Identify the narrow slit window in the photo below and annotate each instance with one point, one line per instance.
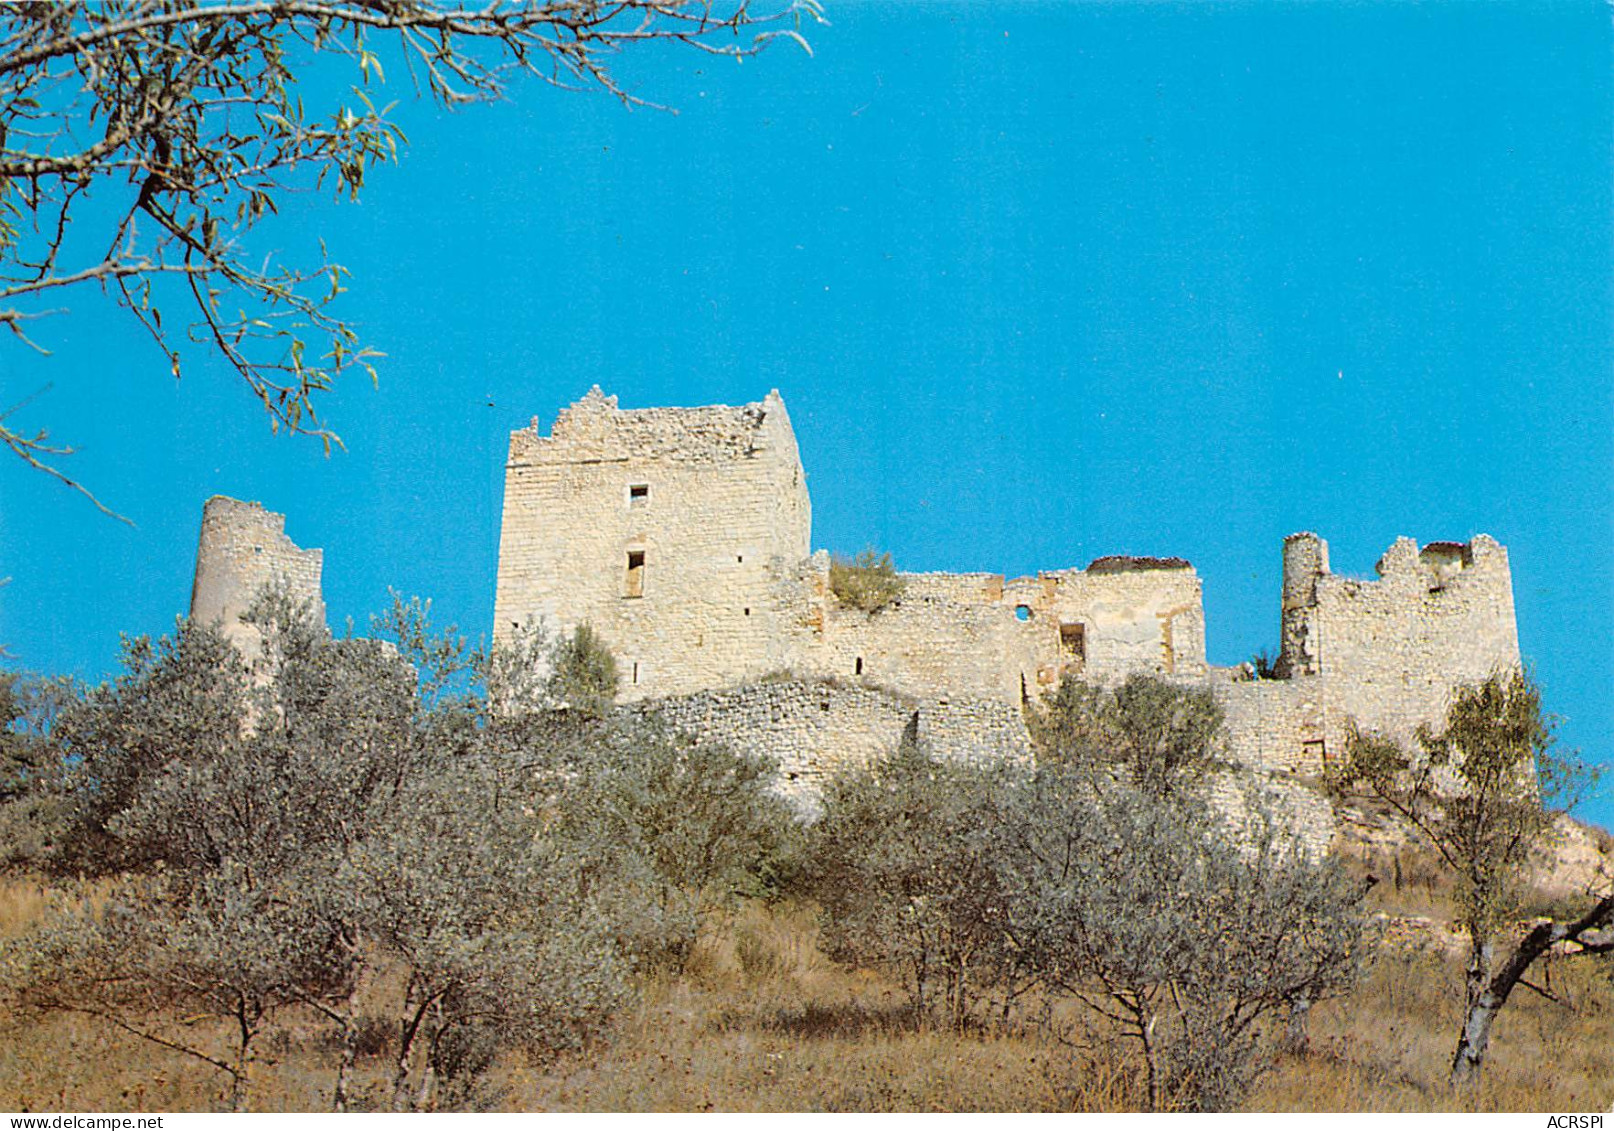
(636, 671)
(859, 670)
(635, 573)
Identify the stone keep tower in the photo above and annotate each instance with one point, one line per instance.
(243, 548)
(667, 530)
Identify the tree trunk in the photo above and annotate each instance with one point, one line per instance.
(344, 1070)
(428, 1073)
(1296, 1041)
(414, 1010)
(1479, 1008)
(240, 1078)
(1146, 1034)
(1492, 995)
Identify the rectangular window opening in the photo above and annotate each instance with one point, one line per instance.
(635, 573)
(638, 494)
(1314, 755)
(1073, 641)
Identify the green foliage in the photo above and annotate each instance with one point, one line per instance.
(868, 582)
(904, 864)
(34, 805)
(977, 883)
(1485, 792)
(1166, 735)
(680, 831)
(188, 127)
(347, 826)
(583, 673)
(1189, 941)
(1264, 664)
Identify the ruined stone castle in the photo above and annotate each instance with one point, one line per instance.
(683, 537)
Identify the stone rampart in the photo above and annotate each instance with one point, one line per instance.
(816, 729)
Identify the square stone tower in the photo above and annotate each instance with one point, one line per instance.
(668, 530)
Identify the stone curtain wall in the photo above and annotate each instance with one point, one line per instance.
(682, 535)
(1274, 725)
(713, 501)
(1249, 799)
(243, 548)
(1136, 619)
(817, 729)
(976, 634)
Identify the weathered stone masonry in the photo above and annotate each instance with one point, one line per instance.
(682, 536)
(243, 548)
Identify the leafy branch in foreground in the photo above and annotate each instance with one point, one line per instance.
(186, 124)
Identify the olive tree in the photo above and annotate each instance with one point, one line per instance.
(674, 831)
(33, 775)
(1165, 734)
(1485, 791)
(905, 864)
(457, 887)
(290, 834)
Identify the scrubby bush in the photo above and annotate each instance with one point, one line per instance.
(33, 776)
(352, 828)
(905, 864)
(868, 582)
(1192, 944)
(1485, 791)
(583, 673)
(679, 830)
(1090, 881)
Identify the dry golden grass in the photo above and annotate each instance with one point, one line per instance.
(762, 1021)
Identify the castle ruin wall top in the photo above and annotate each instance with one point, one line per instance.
(594, 428)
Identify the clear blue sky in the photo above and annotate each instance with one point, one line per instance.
(1038, 283)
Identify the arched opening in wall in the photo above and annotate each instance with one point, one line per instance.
(1022, 612)
(859, 669)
